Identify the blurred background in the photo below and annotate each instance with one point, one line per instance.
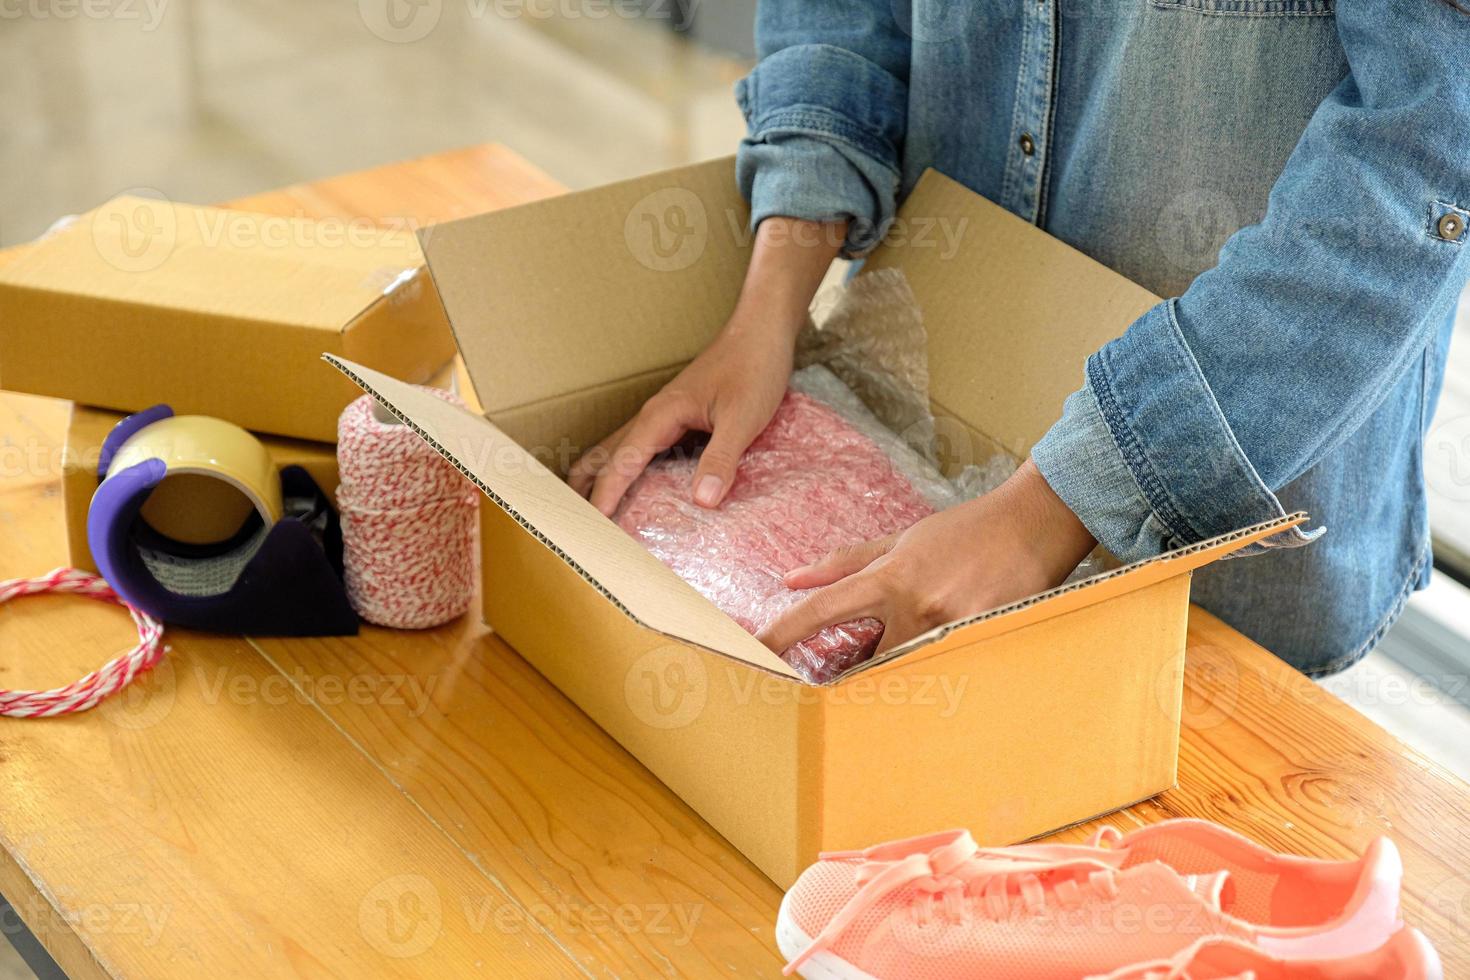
(204, 100)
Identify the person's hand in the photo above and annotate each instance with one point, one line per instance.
(1016, 541)
(731, 390)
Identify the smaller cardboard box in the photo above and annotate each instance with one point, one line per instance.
(569, 313)
(216, 312)
(85, 432)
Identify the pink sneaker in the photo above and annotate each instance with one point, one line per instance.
(940, 906)
(1406, 956)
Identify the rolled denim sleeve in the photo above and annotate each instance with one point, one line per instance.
(825, 111)
(1209, 403)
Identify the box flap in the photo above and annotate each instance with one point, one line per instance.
(620, 568)
(531, 285)
(267, 268)
(1007, 310)
(1067, 598)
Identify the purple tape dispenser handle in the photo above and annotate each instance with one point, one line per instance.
(125, 430)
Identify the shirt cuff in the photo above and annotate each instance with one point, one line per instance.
(824, 129)
(1145, 459)
(811, 179)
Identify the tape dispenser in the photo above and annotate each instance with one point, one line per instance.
(193, 523)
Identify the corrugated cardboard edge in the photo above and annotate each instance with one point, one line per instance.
(347, 369)
(1005, 618)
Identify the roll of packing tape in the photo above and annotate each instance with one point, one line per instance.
(215, 474)
(193, 523)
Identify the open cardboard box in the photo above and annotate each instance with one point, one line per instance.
(570, 312)
(216, 312)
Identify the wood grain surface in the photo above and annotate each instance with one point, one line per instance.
(425, 804)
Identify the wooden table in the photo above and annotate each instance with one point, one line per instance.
(425, 804)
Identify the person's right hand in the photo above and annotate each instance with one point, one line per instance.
(732, 389)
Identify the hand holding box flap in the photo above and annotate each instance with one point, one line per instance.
(538, 499)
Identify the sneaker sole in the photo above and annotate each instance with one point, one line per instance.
(823, 965)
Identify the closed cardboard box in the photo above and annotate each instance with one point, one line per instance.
(1057, 708)
(216, 312)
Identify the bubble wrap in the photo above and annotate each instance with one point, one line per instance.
(848, 457)
(866, 355)
(810, 483)
(824, 386)
(870, 334)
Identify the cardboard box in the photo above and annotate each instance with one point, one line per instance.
(216, 312)
(88, 427)
(1049, 711)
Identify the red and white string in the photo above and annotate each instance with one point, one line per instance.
(408, 522)
(107, 679)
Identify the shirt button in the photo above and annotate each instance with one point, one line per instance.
(1028, 147)
(1450, 226)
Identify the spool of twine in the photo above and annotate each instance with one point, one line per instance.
(409, 521)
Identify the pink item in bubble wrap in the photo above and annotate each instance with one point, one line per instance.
(808, 484)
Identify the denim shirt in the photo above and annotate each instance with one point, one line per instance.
(1294, 174)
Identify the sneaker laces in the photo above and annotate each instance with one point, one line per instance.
(960, 868)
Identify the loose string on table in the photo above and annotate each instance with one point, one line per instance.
(106, 680)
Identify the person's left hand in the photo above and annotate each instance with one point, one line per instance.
(1018, 540)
